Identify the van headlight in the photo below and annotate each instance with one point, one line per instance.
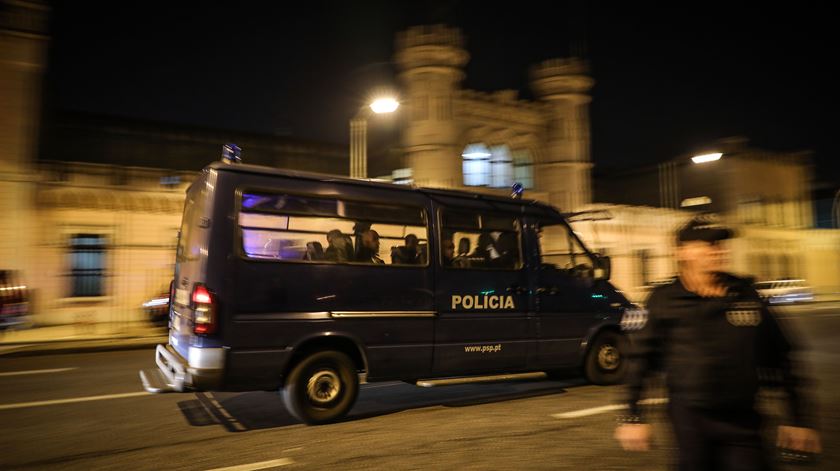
(634, 319)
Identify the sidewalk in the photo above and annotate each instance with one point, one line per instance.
(79, 338)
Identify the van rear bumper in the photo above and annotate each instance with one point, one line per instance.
(175, 373)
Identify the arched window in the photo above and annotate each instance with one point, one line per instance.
(476, 165)
(495, 167)
(523, 168)
(501, 167)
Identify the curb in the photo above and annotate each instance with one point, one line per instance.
(55, 347)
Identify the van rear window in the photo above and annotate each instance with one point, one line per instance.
(294, 228)
(190, 238)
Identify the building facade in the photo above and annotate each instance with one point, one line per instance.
(91, 218)
(91, 205)
(459, 138)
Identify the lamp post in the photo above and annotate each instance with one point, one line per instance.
(835, 211)
(358, 133)
(669, 179)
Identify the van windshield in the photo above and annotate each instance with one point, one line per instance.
(559, 247)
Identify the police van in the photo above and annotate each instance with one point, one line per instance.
(306, 283)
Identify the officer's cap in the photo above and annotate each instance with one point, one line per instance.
(704, 228)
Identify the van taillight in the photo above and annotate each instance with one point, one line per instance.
(204, 310)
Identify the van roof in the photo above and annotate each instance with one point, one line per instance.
(531, 206)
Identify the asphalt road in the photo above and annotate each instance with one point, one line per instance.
(88, 411)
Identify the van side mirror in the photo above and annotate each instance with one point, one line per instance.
(603, 267)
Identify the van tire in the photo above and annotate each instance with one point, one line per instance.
(606, 359)
(321, 388)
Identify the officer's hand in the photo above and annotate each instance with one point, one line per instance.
(799, 439)
(634, 437)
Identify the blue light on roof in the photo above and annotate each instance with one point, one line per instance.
(231, 153)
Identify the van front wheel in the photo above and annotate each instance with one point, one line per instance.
(321, 388)
(606, 359)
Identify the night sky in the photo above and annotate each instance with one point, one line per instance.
(668, 81)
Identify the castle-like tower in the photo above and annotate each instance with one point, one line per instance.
(546, 141)
(431, 61)
(563, 84)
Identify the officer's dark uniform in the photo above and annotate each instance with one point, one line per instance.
(714, 352)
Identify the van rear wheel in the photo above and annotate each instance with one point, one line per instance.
(321, 388)
(606, 360)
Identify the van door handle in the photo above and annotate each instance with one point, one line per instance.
(516, 289)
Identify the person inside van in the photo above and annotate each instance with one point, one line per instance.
(407, 254)
(506, 244)
(369, 251)
(448, 251)
(462, 259)
(486, 250)
(340, 247)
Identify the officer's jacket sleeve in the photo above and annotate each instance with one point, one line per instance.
(776, 362)
(645, 353)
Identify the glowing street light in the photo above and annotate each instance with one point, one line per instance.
(358, 133)
(701, 159)
(384, 105)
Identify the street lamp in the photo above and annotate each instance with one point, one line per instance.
(835, 211)
(668, 178)
(702, 159)
(358, 133)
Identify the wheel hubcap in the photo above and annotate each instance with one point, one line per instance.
(608, 357)
(323, 386)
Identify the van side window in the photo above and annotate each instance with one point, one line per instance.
(328, 230)
(562, 250)
(475, 240)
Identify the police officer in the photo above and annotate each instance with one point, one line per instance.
(713, 336)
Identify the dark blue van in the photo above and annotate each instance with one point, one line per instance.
(304, 282)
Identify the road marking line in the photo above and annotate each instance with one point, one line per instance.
(36, 372)
(600, 410)
(806, 316)
(22, 405)
(374, 386)
(238, 426)
(254, 466)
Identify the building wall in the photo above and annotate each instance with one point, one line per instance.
(133, 198)
(23, 45)
(639, 241)
(139, 221)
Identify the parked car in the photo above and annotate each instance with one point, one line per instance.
(785, 291)
(14, 300)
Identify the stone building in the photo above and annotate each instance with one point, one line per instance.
(90, 217)
(458, 138)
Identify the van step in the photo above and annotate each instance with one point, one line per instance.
(154, 381)
(430, 383)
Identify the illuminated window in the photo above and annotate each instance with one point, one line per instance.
(501, 167)
(523, 168)
(494, 167)
(476, 165)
